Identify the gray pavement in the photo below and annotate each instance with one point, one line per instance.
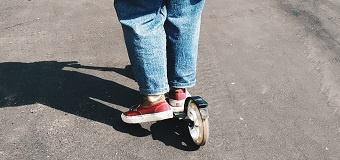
(268, 68)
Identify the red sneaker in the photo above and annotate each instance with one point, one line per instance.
(148, 112)
(177, 99)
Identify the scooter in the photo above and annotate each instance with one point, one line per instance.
(196, 115)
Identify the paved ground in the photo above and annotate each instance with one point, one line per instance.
(268, 68)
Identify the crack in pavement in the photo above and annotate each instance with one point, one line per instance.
(20, 24)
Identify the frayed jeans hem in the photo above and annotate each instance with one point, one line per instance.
(182, 85)
(159, 91)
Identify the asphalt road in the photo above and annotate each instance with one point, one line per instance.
(268, 68)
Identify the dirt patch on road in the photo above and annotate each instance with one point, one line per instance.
(322, 37)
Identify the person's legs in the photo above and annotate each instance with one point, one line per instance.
(143, 27)
(182, 27)
(150, 50)
(142, 23)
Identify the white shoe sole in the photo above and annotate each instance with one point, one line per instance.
(177, 105)
(148, 117)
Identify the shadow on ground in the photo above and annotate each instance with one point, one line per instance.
(77, 93)
(69, 91)
(173, 132)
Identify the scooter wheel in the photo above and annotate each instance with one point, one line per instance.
(199, 130)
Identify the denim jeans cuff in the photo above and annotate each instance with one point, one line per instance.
(158, 91)
(182, 85)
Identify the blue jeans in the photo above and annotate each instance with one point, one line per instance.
(161, 38)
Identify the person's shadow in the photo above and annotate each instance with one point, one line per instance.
(80, 94)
